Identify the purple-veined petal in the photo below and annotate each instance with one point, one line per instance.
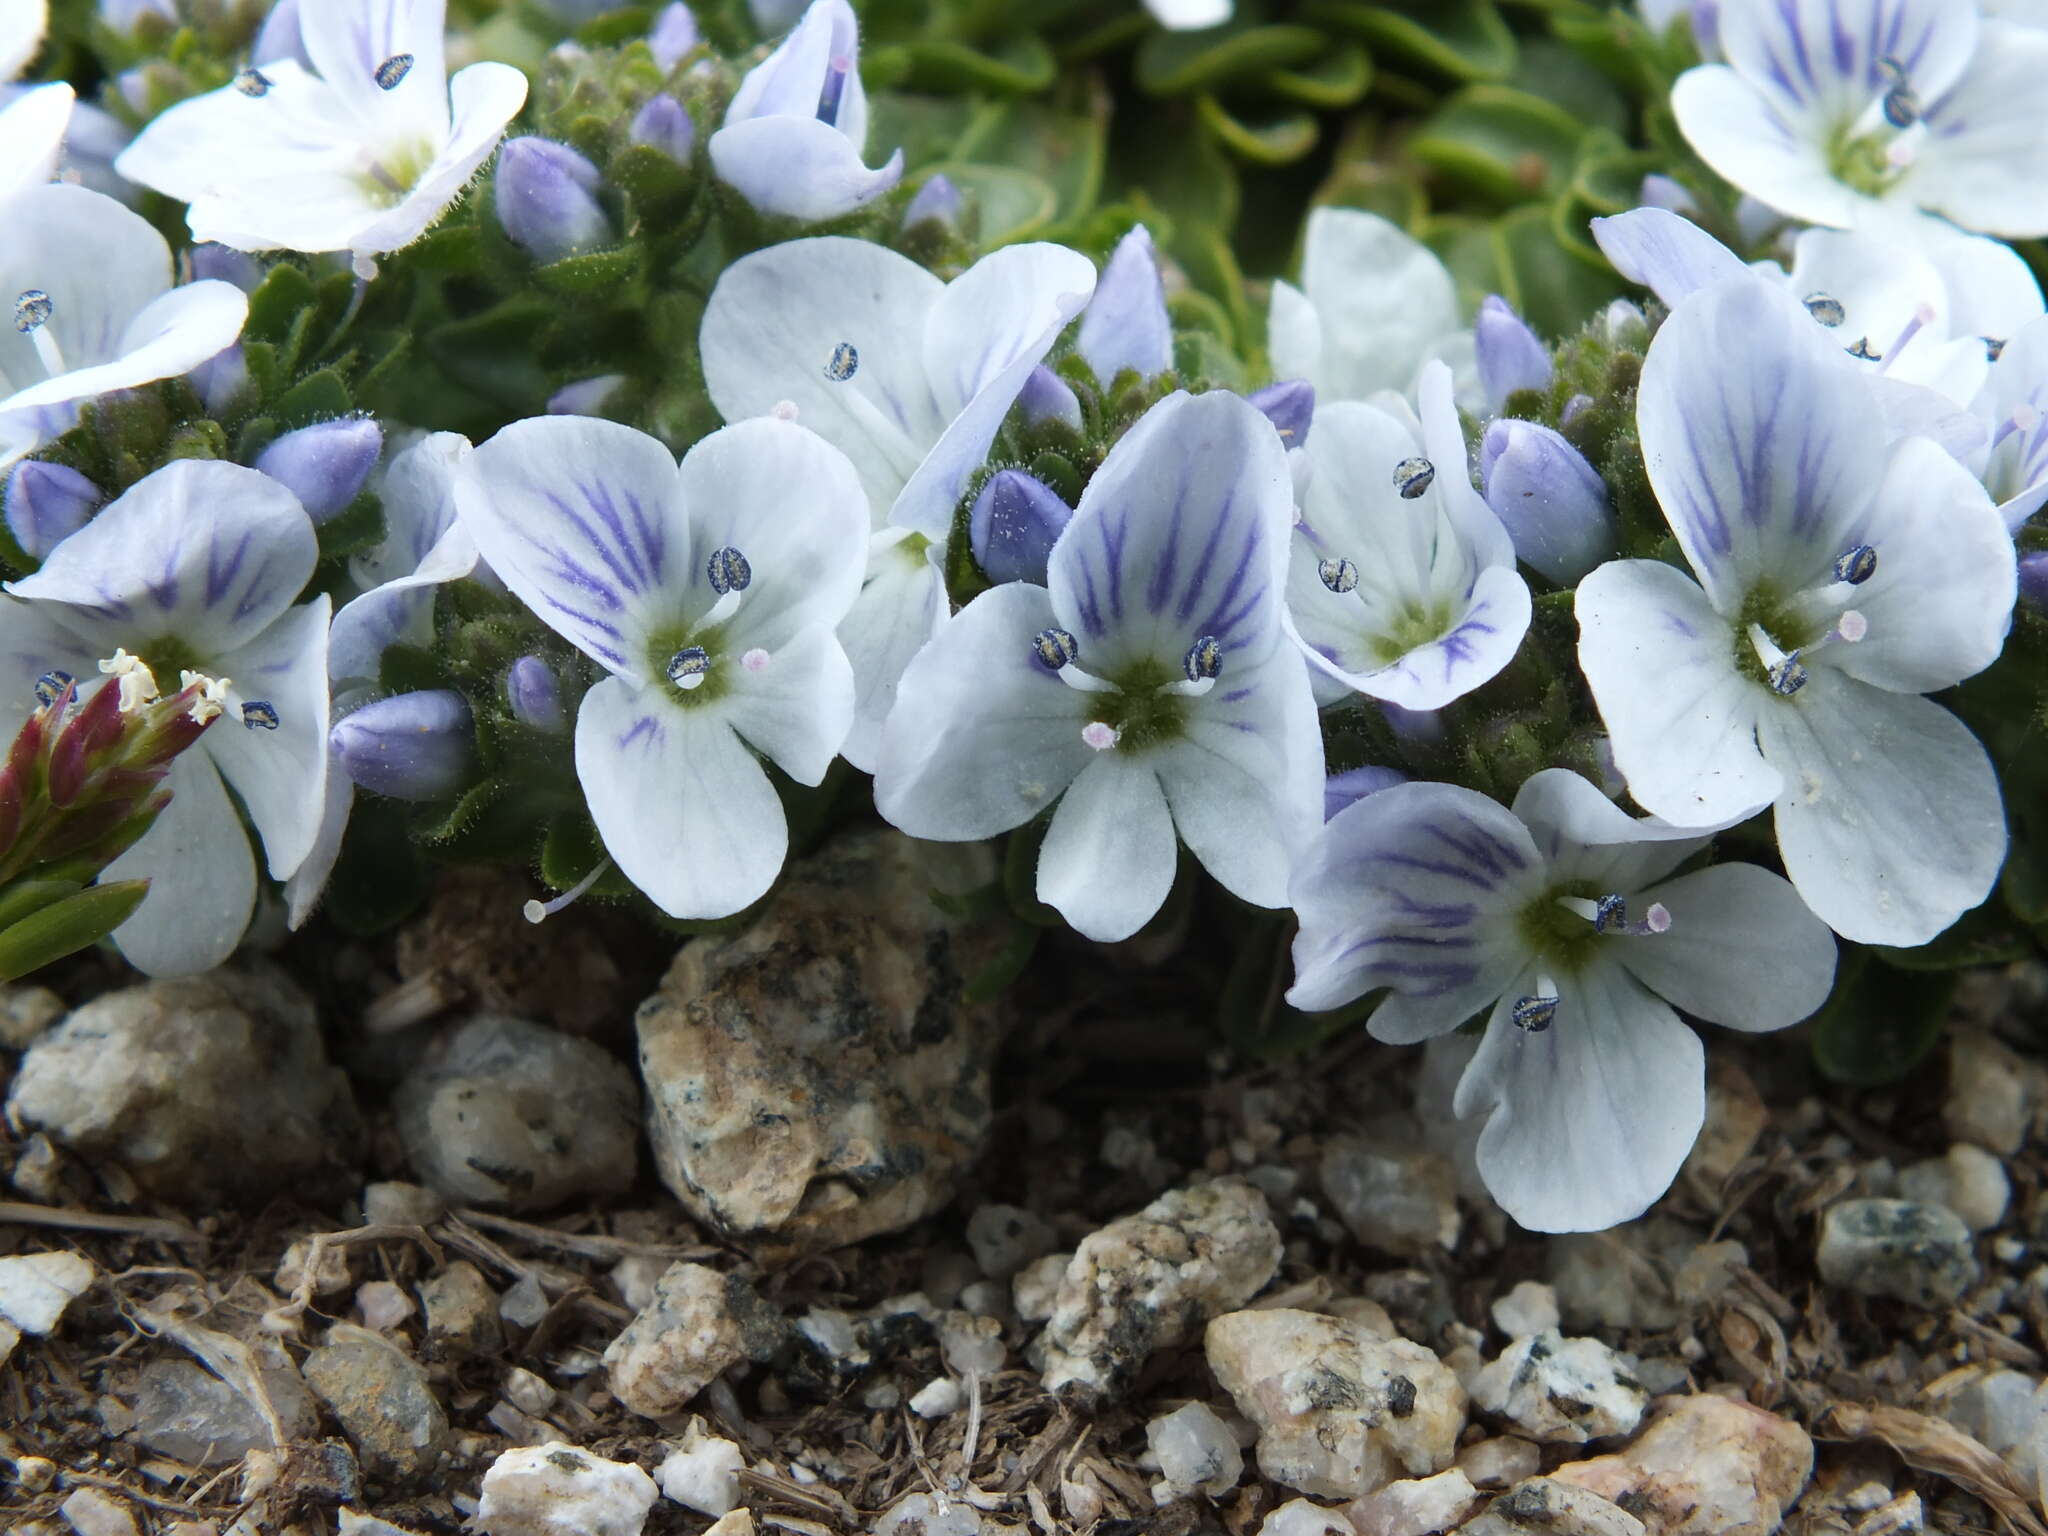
(1592, 1117)
(799, 168)
(281, 774)
(797, 707)
(207, 552)
(32, 642)
(1125, 324)
(1681, 718)
(202, 877)
(788, 82)
(1294, 334)
(1981, 163)
(1414, 888)
(583, 520)
(1665, 252)
(1891, 824)
(1108, 860)
(685, 810)
(349, 44)
(424, 547)
(1180, 535)
(1742, 949)
(982, 736)
(1586, 837)
(1763, 144)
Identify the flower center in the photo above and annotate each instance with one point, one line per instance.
(1141, 706)
(386, 179)
(1776, 635)
(1871, 151)
(1563, 928)
(689, 655)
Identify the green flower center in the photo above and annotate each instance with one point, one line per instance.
(1141, 709)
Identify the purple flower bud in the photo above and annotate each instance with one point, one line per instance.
(1290, 405)
(1659, 191)
(46, 503)
(325, 465)
(1125, 324)
(411, 746)
(220, 379)
(1045, 395)
(1013, 524)
(535, 694)
(673, 35)
(664, 124)
(226, 265)
(1511, 356)
(2034, 578)
(937, 199)
(1553, 502)
(1354, 784)
(586, 397)
(546, 197)
(1572, 408)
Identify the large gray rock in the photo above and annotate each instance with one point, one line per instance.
(1918, 1254)
(383, 1401)
(512, 1114)
(205, 1088)
(817, 1077)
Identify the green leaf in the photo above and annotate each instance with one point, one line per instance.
(66, 926)
(1063, 140)
(1338, 79)
(1500, 144)
(1555, 289)
(320, 396)
(1277, 142)
(1881, 1021)
(493, 353)
(23, 897)
(592, 274)
(1174, 63)
(276, 304)
(1021, 66)
(1464, 39)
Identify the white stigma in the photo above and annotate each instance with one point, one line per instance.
(755, 660)
(785, 410)
(1851, 626)
(136, 681)
(1100, 735)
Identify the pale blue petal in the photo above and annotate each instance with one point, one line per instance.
(1665, 252)
(799, 168)
(281, 774)
(1109, 857)
(1742, 950)
(202, 877)
(1125, 325)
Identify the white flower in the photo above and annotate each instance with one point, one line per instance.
(709, 594)
(1149, 689)
(361, 148)
(910, 377)
(1839, 111)
(32, 126)
(195, 569)
(793, 136)
(22, 25)
(1190, 15)
(1841, 576)
(1402, 582)
(1374, 305)
(2013, 407)
(89, 295)
(1567, 923)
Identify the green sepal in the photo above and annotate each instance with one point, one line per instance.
(66, 926)
(21, 898)
(320, 396)
(593, 274)
(1020, 875)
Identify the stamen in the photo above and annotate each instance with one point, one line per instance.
(1100, 735)
(1863, 350)
(1056, 648)
(844, 362)
(1413, 476)
(1781, 670)
(540, 912)
(259, 715)
(137, 682)
(1340, 576)
(687, 667)
(213, 695)
(253, 82)
(52, 686)
(1204, 660)
(728, 571)
(1826, 308)
(1536, 1014)
(834, 90)
(1994, 347)
(392, 72)
(1610, 912)
(1856, 565)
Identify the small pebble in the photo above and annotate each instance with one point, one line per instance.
(1037, 1285)
(1195, 1450)
(36, 1288)
(1530, 1308)
(702, 1473)
(1500, 1462)
(937, 1398)
(1304, 1517)
(1414, 1506)
(556, 1489)
(1561, 1391)
(95, 1512)
(920, 1514)
(394, 1203)
(527, 1392)
(1005, 1238)
(382, 1305)
(1969, 1181)
(1918, 1254)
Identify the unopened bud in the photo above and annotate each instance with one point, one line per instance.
(325, 465)
(586, 397)
(1552, 501)
(535, 694)
(2034, 578)
(938, 199)
(1354, 784)
(546, 197)
(1511, 356)
(1125, 326)
(1013, 524)
(46, 503)
(672, 36)
(224, 264)
(1045, 396)
(1290, 405)
(411, 746)
(664, 124)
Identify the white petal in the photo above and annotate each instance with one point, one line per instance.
(1586, 837)
(1294, 337)
(32, 135)
(797, 708)
(1763, 451)
(281, 775)
(1742, 949)
(1189, 15)
(684, 808)
(1682, 720)
(32, 642)
(991, 327)
(100, 264)
(308, 883)
(799, 168)
(982, 737)
(791, 503)
(22, 26)
(486, 97)
(1823, 52)
(1890, 824)
(1762, 145)
(900, 607)
(1981, 163)
(424, 546)
(1481, 638)
(1991, 289)
(1415, 888)
(1383, 298)
(169, 337)
(1109, 857)
(1941, 601)
(1593, 1116)
(208, 552)
(202, 878)
(1665, 252)
(1181, 533)
(775, 324)
(349, 41)
(583, 520)
(1246, 785)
